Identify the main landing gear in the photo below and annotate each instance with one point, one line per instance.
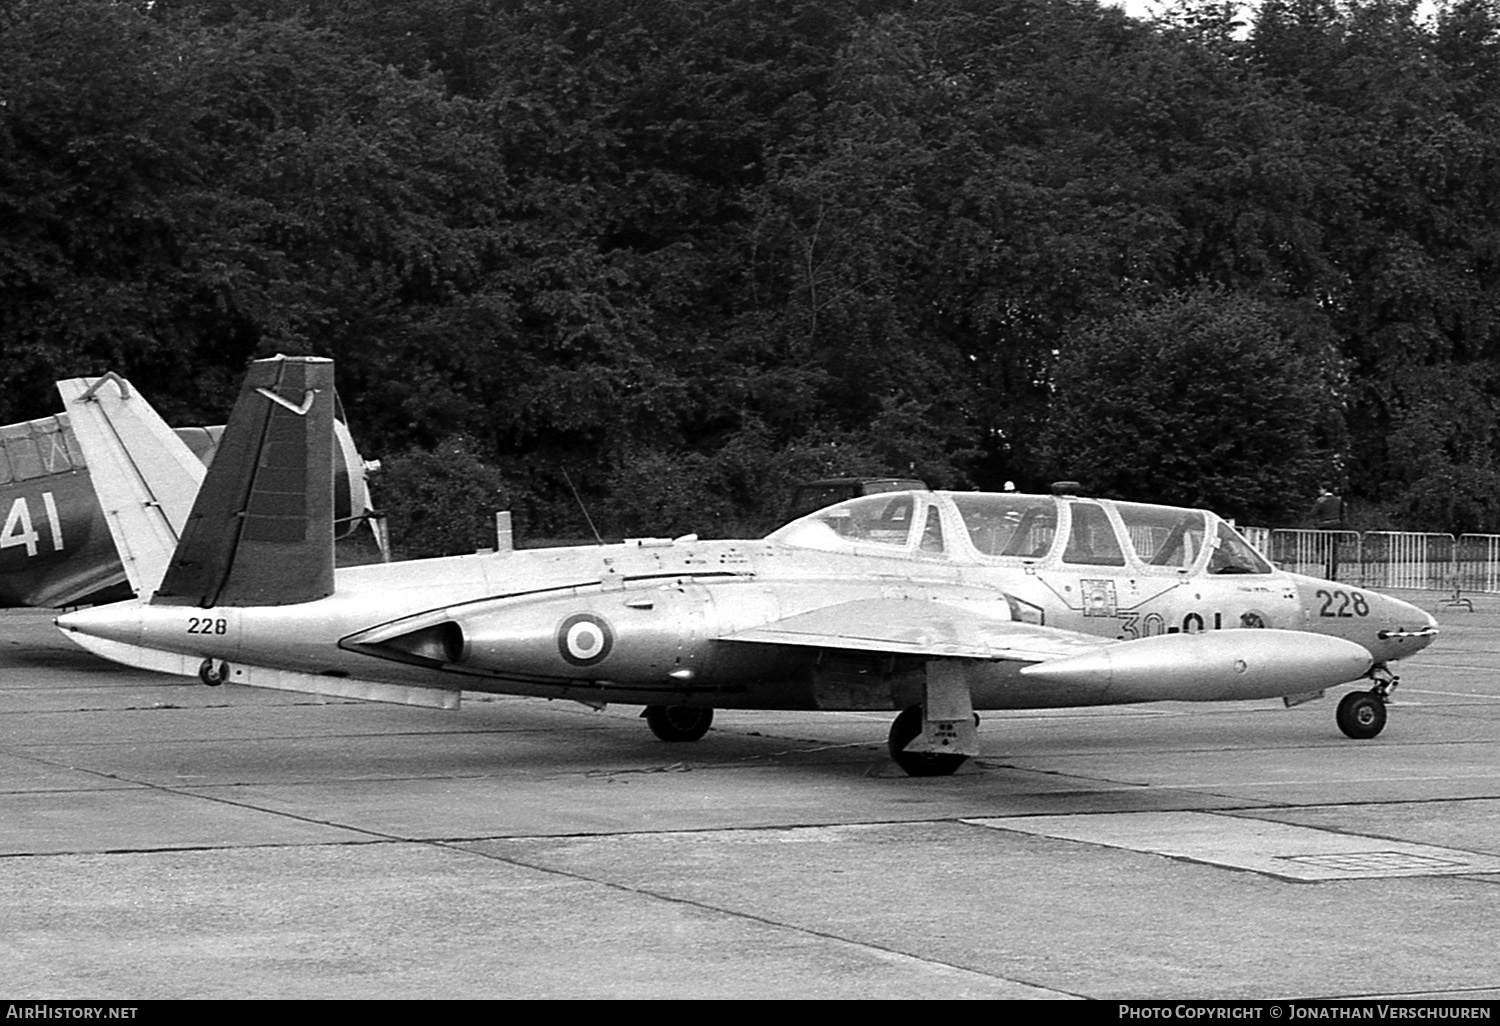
(678, 723)
(906, 728)
(1361, 714)
(213, 673)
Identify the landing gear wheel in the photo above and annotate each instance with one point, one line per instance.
(1361, 714)
(213, 674)
(906, 729)
(678, 723)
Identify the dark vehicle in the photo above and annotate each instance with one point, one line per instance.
(817, 494)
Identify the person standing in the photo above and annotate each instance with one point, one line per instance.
(1328, 515)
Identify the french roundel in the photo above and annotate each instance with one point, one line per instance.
(583, 639)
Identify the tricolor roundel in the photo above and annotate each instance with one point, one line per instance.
(583, 639)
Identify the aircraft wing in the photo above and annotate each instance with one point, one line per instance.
(921, 628)
(1204, 666)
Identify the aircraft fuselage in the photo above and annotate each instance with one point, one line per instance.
(54, 545)
(654, 622)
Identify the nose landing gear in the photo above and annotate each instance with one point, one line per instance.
(1361, 714)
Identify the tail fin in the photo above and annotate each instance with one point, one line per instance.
(261, 531)
(144, 475)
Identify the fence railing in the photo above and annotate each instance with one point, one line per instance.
(1386, 559)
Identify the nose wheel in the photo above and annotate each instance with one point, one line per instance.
(1361, 714)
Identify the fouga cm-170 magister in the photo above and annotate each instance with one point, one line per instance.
(930, 604)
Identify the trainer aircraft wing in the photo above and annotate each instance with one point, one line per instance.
(920, 628)
(1200, 667)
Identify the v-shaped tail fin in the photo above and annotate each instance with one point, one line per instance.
(144, 475)
(261, 531)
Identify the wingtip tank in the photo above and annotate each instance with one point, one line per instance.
(1212, 666)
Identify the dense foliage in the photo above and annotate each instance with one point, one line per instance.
(679, 255)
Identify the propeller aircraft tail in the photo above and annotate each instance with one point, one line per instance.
(144, 475)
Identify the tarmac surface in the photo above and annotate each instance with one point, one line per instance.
(160, 839)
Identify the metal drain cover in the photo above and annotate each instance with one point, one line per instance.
(1380, 862)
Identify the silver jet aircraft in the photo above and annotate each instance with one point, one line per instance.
(930, 604)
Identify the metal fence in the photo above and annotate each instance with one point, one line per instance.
(1386, 559)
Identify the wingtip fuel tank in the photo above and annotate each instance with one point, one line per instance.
(1212, 666)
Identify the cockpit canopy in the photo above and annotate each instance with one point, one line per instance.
(1010, 528)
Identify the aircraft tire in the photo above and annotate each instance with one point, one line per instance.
(213, 674)
(1361, 714)
(904, 730)
(678, 723)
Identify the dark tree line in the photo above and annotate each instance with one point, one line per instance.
(679, 255)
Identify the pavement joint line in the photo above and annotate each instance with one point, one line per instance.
(762, 920)
(1434, 691)
(1331, 743)
(1110, 785)
(1292, 807)
(1404, 777)
(456, 842)
(183, 792)
(202, 848)
(1357, 863)
(1413, 995)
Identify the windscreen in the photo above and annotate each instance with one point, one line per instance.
(1163, 536)
(1234, 555)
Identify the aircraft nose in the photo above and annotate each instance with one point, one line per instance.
(1390, 628)
(1406, 629)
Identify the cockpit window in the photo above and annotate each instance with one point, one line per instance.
(34, 449)
(871, 519)
(1163, 536)
(1091, 538)
(1233, 555)
(1008, 525)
